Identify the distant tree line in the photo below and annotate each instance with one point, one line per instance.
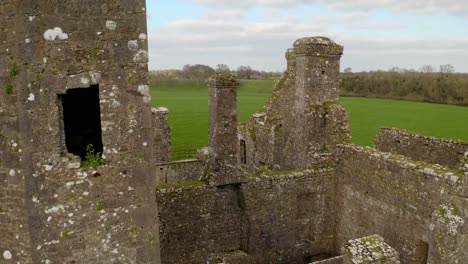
(202, 72)
(425, 85)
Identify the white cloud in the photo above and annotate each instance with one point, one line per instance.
(224, 35)
(436, 7)
(224, 14)
(353, 16)
(216, 41)
(262, 45)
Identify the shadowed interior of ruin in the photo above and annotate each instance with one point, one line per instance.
(82, 120)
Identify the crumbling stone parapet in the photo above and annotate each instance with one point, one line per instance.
(317, 47)
(367, 250)
(446, 152)
(223, 142)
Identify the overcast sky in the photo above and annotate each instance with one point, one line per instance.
(376, 34)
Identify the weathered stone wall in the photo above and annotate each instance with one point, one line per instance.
(196, 221)
(407, 202)
(450, 153)
(291, 215)
(14, 228)
(179, 172)
(102, 215)
(276, 218)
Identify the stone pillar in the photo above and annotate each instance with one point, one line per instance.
(223, 141)
(162, 136)
(317, 61)
(367, 250)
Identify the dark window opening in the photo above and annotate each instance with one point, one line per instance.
(323, 72)
(82, 120)
(243, 151)
(422, 252)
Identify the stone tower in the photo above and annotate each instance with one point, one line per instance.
(74, 74)
(303, 120)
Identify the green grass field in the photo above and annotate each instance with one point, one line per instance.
(188, 117)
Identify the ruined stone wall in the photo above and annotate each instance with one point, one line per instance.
(303, 120)
(409, 203)
(107, 214)
(450, 153)
(179, 172)
(275, 217)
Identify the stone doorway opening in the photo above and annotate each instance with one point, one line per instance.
(82, 120)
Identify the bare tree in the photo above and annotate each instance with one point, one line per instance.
(427, 69)
(222, 69)
(447, 68)
(244, 72)
(397, 69)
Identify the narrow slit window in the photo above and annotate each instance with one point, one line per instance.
(243, 151)
(82, 120)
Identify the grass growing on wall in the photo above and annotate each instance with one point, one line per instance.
(188, 114)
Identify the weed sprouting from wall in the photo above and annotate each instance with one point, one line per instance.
(93, 159)
(13, 71)
(8, 89)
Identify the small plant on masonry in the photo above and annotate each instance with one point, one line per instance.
(100, 206)
(13, 71)
(8, 89)
(92, 159)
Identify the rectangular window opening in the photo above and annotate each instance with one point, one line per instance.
(82, 120)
